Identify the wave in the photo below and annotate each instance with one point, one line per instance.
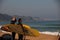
(50, 33)
(45, 32)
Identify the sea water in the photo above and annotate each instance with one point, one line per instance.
(47, 27)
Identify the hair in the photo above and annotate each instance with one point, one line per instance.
(13, 20)
(19, 20)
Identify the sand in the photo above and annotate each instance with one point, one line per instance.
(40, 37)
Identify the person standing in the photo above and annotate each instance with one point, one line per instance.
(13, 21)
(20, 23)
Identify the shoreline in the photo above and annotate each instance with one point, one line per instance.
(42, 36)
(50, 33)
(44, 32)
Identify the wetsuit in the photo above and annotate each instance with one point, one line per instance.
(13, 33)
(20, 35)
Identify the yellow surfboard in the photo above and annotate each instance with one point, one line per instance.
(18, 29)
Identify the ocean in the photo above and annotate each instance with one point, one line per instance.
(42, 26)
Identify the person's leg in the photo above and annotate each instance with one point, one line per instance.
(20, 37)
(13, 35)
(59, 38)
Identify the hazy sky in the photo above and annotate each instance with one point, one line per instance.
(38, 8)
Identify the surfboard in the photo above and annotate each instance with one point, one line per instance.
(18, 29)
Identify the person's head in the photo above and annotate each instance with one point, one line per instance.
(13, 18)
(19, 20)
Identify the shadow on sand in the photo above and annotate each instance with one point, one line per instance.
(6, 37)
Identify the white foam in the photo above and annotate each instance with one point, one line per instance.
(0, 26)
(50, 33)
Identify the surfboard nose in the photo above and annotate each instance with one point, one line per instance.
(5, 28)
(0, 26)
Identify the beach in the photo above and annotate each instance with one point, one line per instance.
(40, 37)
(46, 30)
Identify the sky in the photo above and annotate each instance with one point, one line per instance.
(35, 8)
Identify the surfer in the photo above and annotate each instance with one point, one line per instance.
(13, 21)
(20, 23)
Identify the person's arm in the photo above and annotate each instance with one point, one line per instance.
(22, 27)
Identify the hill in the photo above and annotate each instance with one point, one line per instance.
(4, 17)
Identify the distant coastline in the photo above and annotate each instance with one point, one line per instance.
(6, 17)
